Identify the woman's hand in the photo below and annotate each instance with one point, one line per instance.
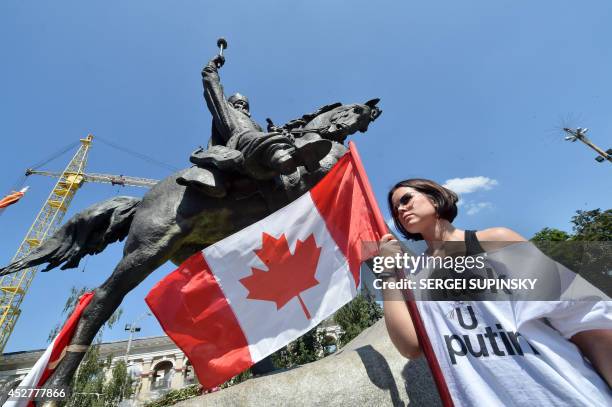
(397, 318)
(389, 246)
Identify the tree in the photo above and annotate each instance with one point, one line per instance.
(587, 251)
(359, 314)
(593, 225)
(305, 349)
(550, 235)
(89, 385)
(119, 386)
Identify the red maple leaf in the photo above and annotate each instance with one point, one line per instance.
(288, 274)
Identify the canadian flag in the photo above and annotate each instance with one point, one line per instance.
(252, 293)
(12, 198)
(46, 364)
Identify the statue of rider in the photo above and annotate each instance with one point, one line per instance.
(238, 143)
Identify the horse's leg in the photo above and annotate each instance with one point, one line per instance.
(134, 267)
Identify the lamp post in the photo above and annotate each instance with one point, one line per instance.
(133, 328)
(579, 134)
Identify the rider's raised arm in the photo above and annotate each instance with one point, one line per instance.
(215, 99)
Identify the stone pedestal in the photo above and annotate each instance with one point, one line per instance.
(366, 372)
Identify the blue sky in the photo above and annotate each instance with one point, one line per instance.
(475, 90)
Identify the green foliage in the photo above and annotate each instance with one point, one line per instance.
(587, 250)
(119, 386)
(359, 314)
(174, 396)
(305, 349)
(557, 244)
(550, 235)
(89, 385)
(69, 307)
(593, 225)
(239, 378)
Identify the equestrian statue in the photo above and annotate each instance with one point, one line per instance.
(243, 175)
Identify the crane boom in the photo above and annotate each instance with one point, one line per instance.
(100, 178)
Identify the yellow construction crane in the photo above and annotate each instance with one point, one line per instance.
(13, 287)
(100, 178)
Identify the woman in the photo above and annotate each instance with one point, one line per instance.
(498, 352)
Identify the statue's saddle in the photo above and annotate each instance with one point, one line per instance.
(211, 170)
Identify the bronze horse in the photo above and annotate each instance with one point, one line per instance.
(172, 222)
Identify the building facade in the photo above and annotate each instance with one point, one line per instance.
(155, 364)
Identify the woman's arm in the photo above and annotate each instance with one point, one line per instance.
(497, 238)
(399, 323)
(499, 234)
(397, 317)
(596, 345)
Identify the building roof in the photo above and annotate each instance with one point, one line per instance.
(117, 348)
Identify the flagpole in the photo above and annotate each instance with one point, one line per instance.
(419, 326)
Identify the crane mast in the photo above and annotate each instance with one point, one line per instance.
(13, 287)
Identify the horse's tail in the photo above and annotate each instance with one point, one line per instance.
(88, 232)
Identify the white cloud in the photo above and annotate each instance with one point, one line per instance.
(474, 207)
(470, 184)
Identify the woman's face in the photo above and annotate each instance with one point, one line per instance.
(413, 209)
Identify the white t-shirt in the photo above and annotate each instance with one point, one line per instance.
(516, 352)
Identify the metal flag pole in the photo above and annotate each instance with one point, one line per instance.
(419, 326)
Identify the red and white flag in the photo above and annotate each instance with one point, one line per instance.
(49, 360)
(252, 293)
(12, 198)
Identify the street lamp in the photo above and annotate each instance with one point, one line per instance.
(579, 134)
(133, 328)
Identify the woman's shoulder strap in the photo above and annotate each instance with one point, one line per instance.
(472, 245)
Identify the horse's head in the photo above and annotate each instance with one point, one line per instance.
(345, 120)
(334, 122)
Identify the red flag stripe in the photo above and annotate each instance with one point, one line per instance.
(48, 361)
(193, 311)
(342, 203)
(64, 337)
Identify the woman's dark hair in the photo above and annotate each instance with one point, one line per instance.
(444, 200)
